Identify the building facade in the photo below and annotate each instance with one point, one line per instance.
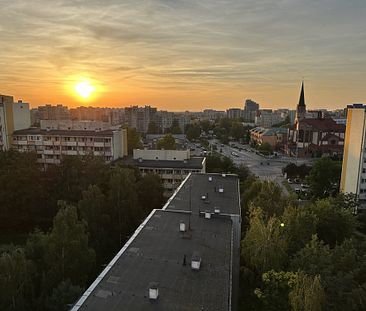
(353, 179)
(52, 145)
(276, 137)
(13, 116)
(314, 137)
(173, 166)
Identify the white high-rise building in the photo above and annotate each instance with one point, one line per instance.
(353, 178)
(13, 117)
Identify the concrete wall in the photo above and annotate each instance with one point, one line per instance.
(145, 154)
(21, 116)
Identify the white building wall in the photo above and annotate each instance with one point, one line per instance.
(353, 151)
(21, 116)
(145, 154)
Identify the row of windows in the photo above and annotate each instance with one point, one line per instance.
(68, 139)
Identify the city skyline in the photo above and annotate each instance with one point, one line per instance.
(181, 56)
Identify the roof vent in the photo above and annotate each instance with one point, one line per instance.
(217, 210)
(223, 175)
(207, 215)
(140, 160)
(182, 226)
(210, 178)
(221, 190)
(203, 197)
(153, 291)
(196, 261)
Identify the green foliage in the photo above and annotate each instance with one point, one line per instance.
(299, 226)
(16, 274)
(167, 143)
(294, 171)
(133, 140)
(307, 293)
(54, 266)
(219, 164)
(334, 224)
(265, 148)
(193, 132)
(62, 295)
(175, 128)
(300, 257)
(153, 128)
(68, 240)
(264, 246)
(261, 194)
(324, 177)
(150, 192)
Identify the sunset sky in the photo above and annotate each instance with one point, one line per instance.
(184, 54)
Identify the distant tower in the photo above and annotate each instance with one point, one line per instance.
(301, 107)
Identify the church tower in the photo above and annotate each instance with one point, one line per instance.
(301, 107)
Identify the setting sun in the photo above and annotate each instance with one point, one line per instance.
(84, 89)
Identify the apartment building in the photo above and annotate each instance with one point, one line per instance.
(13, 116)
(185, 256)
(173, 166)
(276, 136)
(51, 145)
(353, 178)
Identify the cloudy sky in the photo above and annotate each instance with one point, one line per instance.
(185, 54)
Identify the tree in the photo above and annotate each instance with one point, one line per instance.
(123, 203)
(150, 192)
(193, 132)
(153, 128)
(64, 295)
(167, 143)
(334, 224)
(219, 164)
(133, 140)
(265, 148)
(237, 131)
(67, 241)
(93, 210)
(299, 226)
(307, 293)
(175, 128)
(261, 194)
(264, 246)
(15, 280)
(324, 177)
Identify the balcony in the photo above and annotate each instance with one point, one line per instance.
(48, 152)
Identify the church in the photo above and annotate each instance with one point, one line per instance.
(314, 136)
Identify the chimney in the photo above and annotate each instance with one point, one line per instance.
(207, 215)
(223, 175)
(217, 210)
(203, 197)
(221, 190)
(153, 291)
(196, 261)
(210, 178)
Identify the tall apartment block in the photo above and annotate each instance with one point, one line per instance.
(13, 117)
(353, 178)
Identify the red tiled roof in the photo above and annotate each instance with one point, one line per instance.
(326, 124)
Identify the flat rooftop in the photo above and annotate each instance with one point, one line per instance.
(81, 133)
(192, 163)
(156, 252)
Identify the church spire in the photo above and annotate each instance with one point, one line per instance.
(302, 96)
(301, 107)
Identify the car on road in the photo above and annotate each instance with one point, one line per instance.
(234, 154)
(289, 180)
